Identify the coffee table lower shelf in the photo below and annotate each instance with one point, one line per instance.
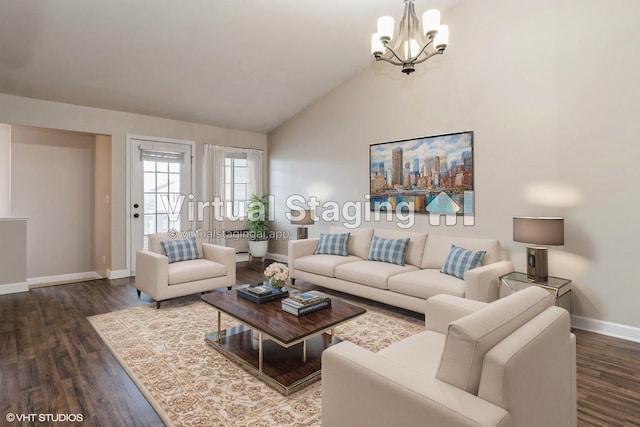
(283, 368)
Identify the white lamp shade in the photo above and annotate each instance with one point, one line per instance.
(385, 27)
(377, 48)
(441, 40)
(431, 21)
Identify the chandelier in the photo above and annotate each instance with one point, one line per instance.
(412, 45)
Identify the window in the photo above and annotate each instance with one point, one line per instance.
(161, 178)
(236, 185)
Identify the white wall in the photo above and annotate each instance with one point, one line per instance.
(52, 183)
(550, 89)
(54, 115)
(5, 170)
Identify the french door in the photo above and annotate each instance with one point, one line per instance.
(161, 179)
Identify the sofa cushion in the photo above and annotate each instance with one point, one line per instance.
(359, 240)
(471, 337)
(420, 353)
(426, 283)
(197, 269)
(417, 241)
(437, 249)
(388, 250)
(333, 244)
(180, 250)
(371, 273)
(460, 260)
(156, 246)
(324, 265)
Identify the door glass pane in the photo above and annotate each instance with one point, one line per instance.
(162, 166)
(174, 167)
(148, 166)
(149, 182)
(149, 224)
(174, 183)
(162, 184)
(162, 224)
(165, 202)
(149, 203)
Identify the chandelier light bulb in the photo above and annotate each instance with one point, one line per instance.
(431, 21)
(377, 47)
(385, 28)
(441, 40)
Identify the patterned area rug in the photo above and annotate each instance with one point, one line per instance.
(191, 384)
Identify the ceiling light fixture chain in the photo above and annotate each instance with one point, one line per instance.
(412, 45)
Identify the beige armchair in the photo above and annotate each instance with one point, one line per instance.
(162, 280)
(507, 363)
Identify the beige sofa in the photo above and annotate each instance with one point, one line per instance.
(162, 280)
(406, 286)
(507, 363)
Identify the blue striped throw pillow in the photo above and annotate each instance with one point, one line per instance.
(333, 244)
(460, 260)
(388, 250)
(180, 250)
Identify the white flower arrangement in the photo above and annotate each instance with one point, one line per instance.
(277, 271)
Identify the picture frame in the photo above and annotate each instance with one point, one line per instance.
(431, 174)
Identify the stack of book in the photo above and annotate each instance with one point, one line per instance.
(305, 303)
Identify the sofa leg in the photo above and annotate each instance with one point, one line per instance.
(228, 288)
(158, 304)
(293, 281)
(138, 293)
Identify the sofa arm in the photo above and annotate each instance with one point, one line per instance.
(360, 387)
(481, 283)
(152, 273)
(223, 255)
(443, 309)
(300, 248)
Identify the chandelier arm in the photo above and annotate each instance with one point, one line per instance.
(423, 50)
(390, 61)
(437, 52)
(396, 55)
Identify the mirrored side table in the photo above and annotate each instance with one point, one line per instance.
(560, 288)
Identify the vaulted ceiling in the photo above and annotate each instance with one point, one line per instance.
(247, 65)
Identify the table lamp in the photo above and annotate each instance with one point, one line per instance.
(538, 231)
(302, 218)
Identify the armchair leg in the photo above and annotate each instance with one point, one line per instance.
(228, 288)
(158, 304)
(293, 281)
(138, 293)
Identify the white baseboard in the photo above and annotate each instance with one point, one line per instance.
(616, 330)
(277, 257)
(14, 288)
(35, 282)
(117, 274)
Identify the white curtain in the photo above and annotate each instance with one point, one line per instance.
(254, 172)
(214, 186)
(214, 156)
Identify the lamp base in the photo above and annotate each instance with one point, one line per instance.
(537, 265)
(303, 233)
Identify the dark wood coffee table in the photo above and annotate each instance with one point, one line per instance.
(279, 348)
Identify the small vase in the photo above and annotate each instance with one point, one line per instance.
(276, 284)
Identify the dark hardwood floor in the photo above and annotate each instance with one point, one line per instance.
(53, 362)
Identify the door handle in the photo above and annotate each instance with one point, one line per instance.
(135, 215)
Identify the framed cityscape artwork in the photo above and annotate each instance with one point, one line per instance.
(434, 173)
